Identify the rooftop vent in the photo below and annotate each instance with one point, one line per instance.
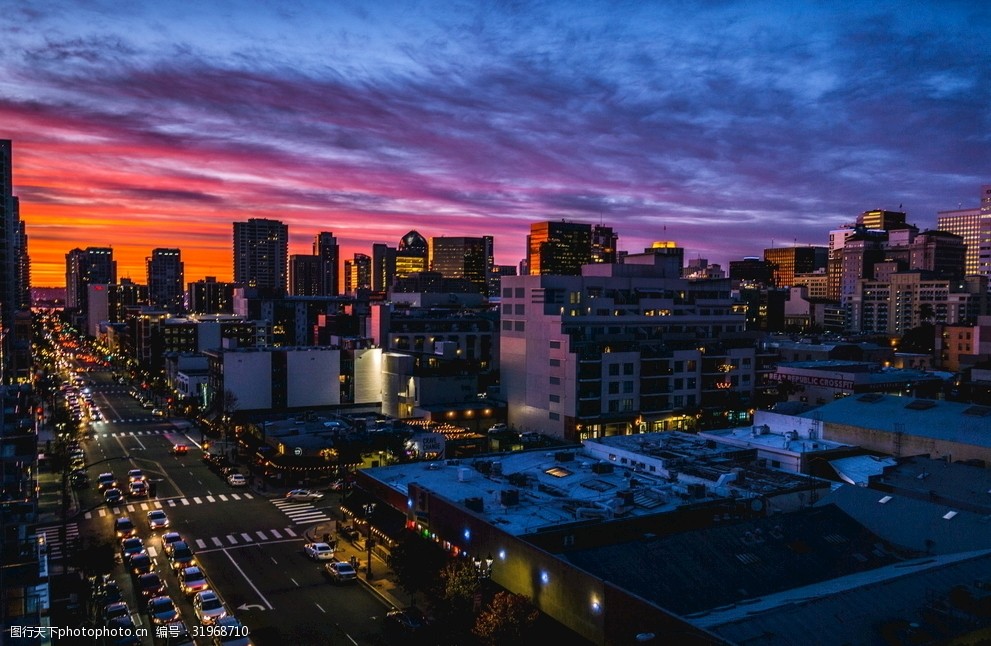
(884, 500)
(978, 411)
(949, 515)
(870, 398)
(921, 404)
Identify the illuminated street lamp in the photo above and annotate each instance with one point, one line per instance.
(484, 566)
(369, 541)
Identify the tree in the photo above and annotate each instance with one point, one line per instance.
(506, 620)
(456, 608)
(417, 563)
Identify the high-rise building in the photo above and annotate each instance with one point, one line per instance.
(83, 267)
(461, 257)
(15, 281)
(558, 248)
(604, 243)
(412, 254)
(207, 296)
(789, 261)
(358, 273)
(261, 254)
(306, 275)
(974, 226)
(383, 267)
(165, 279)
(881, 219)
(325, 246)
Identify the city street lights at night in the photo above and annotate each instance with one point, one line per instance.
(484, 566)
(369, 541)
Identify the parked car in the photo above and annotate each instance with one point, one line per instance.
(237, 480)
(303, 494)
(408, 622)
(341, 572)
(208, 607)
(318, 551)
(157, 519)
(192, 580)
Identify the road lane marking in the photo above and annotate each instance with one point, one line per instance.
(200, 544)
(275, 533)
(144, 506)
(184, 501)
(248, 496)
(222, 497)
(274, 561)
(210, 499)
(157, 504)
(103, 512)
(235, 496)
(261, 535)
(319, 606)
(216, 541)
(130, 508)
(246, 537)
(196, 500)
(294, 581)
(234, 563)
(88, 515)
(152, 552)
(232, 539)
(289, 531)
(171, 503)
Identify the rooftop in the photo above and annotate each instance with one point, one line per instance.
(943, 420)
(763, 437)
(962, 485)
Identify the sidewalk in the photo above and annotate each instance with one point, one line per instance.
(383, 580)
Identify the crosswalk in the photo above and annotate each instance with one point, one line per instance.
(168, 502)
(153, 431)
(301, 513)
(245, 538)
(53, 539)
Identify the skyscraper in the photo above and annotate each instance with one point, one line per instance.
(461, 258)
(325, 246)
(383, 267)
(306, 276)
(207, 296)
(261, 254)
(789, 261)
(165, 279)
(358, 273)
(558, 248)
(411, 256)
(15, 288)
(84, 267)
(974, 226)
(604, 243)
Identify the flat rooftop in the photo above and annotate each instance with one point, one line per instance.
(938, 419)
(755, 437)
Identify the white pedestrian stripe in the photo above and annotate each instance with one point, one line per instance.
(232, 539)
(275, 533)
(210, 499)
(200, 543)
(52, 534)
(152, 552)
(184, 501)
(235, 496)
(144, 506)
(130, 508)
(158, 505)
(197, 500)
(248, 496)
(88, 515)
(301, 513)
(216, 541)
(244, 538)
(289, 531)
(222, 497)
(103, 512)
(261, 535)
(170, 502)
(247, 537)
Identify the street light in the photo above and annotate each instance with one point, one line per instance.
(484, 566)
(369, 541)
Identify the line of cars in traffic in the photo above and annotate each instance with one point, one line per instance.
(137, 486)
(152, 591)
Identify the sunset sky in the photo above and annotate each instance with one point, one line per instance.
(728, 127)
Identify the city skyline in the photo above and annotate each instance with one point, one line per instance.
(769, 125)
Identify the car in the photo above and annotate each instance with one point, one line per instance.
(161, 610)
(135, 474)
(303, 494)
(180, 449)
(406, 622)
(124, 528)
(168, 538)
(208, 607)
(181, 555)
(341, 572)
(498, 428)
(157, 412)
(113, 496)
(349, 532)
(231, 632)
(109, 593)
(157, 519)
(192, 580)
(318, 551)
(150, 585)
(147, 404)
(115, 610)
(132, 545)
(79, 480)
(140, 564)
(137, 489)
(237, 480)
(336, 485)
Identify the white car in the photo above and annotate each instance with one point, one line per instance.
(237, 480)
(157, 519)
(341, 572)
(319, 551)
(208, 607)
(304, 494)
